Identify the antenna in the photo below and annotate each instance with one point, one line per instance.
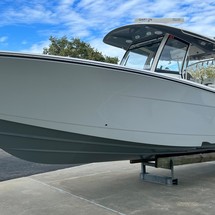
(160, 20)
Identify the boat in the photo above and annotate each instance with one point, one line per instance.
(61, 110)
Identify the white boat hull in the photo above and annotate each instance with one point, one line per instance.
(103, 101)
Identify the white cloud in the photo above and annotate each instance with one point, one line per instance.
(90, 20)
(37, 48)
(24, 42)
(3, 39)
(106, 49)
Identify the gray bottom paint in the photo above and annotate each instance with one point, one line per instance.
(44, 145)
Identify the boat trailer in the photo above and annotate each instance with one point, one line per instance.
(167, 161)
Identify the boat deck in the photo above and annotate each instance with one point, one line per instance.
(108, 189)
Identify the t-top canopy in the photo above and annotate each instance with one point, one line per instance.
(124, 36)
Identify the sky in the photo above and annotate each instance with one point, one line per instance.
(26, 25)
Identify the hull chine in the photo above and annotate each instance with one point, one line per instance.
(43, 145)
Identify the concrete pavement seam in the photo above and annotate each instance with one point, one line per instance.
(78, 197)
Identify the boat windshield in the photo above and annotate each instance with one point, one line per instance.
(201, 64)
(172, 56)
(141, 55)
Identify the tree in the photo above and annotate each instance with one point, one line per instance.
(76, 48)
(203, 73)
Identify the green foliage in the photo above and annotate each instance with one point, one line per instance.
(77, 49)
(204, 73)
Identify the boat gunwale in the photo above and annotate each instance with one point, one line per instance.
(116, 67)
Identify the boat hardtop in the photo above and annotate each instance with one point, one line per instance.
(124, 36)
(164, 49)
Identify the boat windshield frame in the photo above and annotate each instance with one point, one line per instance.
(141, 47)
(152, 63)
(183, 56)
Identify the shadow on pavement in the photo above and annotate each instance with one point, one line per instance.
(12, 167)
